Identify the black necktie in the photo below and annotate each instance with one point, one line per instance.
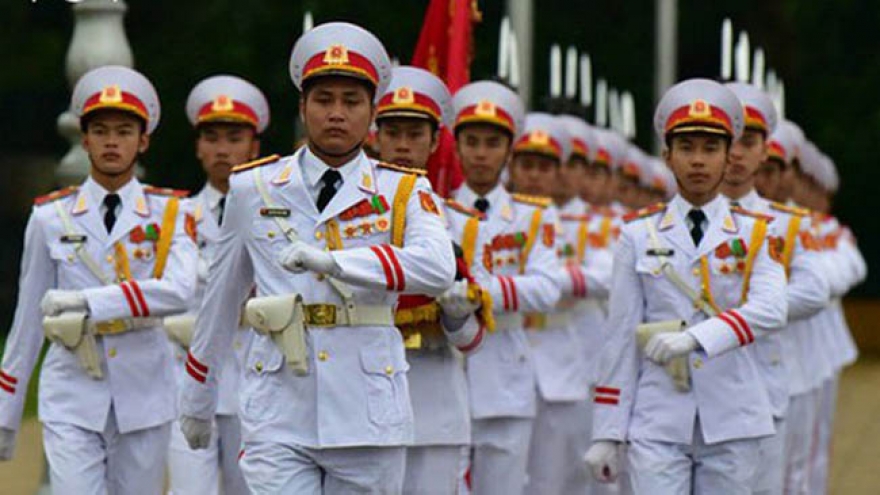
(330, 178)
(697, 218)
(482, 205)
(111, 201)
(735, 204)
(221, 206)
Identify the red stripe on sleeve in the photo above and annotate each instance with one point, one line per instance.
(745, 326)
(140, 298)
(608, 390)
(9, 378)
(398, 270)
(514, 298)
(736, 330)
(7, 388)
(195, 362)
(194, 373)
(389, 277)
(504, 292)
(606, 400)
(478, 338)
(128, 297)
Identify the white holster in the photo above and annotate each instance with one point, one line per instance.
(677, 368)
(180, 328)
(71, 330)
(281, 318)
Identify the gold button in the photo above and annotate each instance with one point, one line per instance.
(258, 366)
(109, 258)
(271, 234)
(111, 352)
(70, 258)
(237, 346)
(389, 369)
(775, 360)
(698, 363)
(319, 235)
(696, 272)
(323, 356)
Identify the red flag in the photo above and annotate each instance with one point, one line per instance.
(445, 48)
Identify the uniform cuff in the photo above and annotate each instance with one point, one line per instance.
(722, 333)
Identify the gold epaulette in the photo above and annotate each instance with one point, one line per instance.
(401, 168)
(644, 212)
(539, 201)
(259, 162)
(166, 191)
(792, 210)
(573, 217)
(55, 195)
(749, 213)
(471, 212)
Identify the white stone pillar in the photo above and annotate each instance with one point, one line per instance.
(98, 39)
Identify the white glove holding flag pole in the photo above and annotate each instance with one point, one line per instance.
(197, 432)
(455, 302)
(300, 257)
(7, 444)
(664, 347)
(603, 460)
(57, 301)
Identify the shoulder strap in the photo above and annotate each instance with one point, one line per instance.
(583, 234)
(166, 235)
(537, 215)
(398, 209)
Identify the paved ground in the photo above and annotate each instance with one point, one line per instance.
(855, 466)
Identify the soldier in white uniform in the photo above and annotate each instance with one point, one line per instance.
(693, 284)
(807, 293)
(229, 114)
(409, 117)
(102, 263)
(502, 236)
(556, 345)
(330, 238)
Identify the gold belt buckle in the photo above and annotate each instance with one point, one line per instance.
(111, 327)
(535, 321)
(321, 315)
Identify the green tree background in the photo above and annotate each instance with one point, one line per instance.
(827, 52)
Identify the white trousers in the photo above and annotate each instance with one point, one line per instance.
(274, 468)
(820, 457)
(500, 455)
(559, 441)
(201, 471)
(801, 419)
(433, 470)
(661, 468)
(770, 472)
(87, 462)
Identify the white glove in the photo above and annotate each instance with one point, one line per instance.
(663, 347)
(57, 301)
(7, 444)
(197, 432)
(300, 257)
(603, 460)
(455, 301)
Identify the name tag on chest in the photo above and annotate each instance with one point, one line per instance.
(73, 239)
(665, 252)
(275, 212)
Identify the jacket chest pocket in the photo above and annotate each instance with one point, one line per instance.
(385, 378)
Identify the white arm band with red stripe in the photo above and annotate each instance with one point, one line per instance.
(110, 302)
(722, 333)
(196, 369)
(8, 383)
(578, 282)
(609, 396)
(505, 298)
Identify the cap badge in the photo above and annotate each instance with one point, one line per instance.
(699, 108)
(222, 103)
(485, 108)
(539, 137)
(336, 55)
(403, 95)
(111, 94)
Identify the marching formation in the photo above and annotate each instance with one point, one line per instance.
(578, 317)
